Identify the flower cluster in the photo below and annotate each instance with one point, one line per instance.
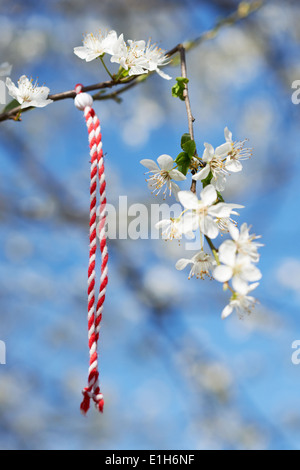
(133, 57)
(237, 257)
(222, 161)
(234, 262)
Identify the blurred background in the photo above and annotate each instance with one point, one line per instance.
(174, 376)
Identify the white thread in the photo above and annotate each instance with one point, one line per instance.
(83, 100)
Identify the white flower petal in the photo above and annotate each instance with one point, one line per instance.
(137, 70)
(209, 195)
(234, 166)
(92, 56)
(163, 224)
(244, 231)
(177, 175)
(222, 273)
(175, 189)
(251, 273)
(188, 199)
(150, 164)
(234, 232)
(189, 223)
(209, 148)
(81, 52)
(12, 89)
(228, 135)
(36, 104)
(209, 227)
(227, 311)
(208, 152)
(239, 285)
(163, 74)
(25, 105)
(222, 209)
(219, 181)
(253, 286)
(165, 162)
(202, 174)
(227, 253)
(139, 45)
(223, 150)
(183, 263)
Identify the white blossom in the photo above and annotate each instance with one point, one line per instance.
(27, 93)
(155, 58)
(241, 303)
(5, 69)
(244, 242)
(236, 267)
(237, 153)
(225, 222)
(215, 163)
(131, 57)
(203, 213)
(163, 175)
(96, 45)
(202, 265)
(173, 229)
(139, 58)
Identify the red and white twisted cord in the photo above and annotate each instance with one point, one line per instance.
(84, 102)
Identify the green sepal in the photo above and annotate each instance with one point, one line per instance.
(207, 180)
(12, 105)
(220, 197)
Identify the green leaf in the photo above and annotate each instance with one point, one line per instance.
(12, 105)
(183, 156)
(184, 168)
(185, 138)
(207, 180)
(189, 147)
(178, 89)
(183, 162)
(182, 80)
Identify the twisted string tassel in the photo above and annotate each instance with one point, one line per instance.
(103, 243)
(84, 102)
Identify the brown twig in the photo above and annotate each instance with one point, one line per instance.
(115, 94)
(190, 116)
(191, 119)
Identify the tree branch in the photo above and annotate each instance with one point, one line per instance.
(67, 95)
(243, 11)
(115, 94)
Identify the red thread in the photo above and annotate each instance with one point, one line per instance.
(92, 391)
(78, 88)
